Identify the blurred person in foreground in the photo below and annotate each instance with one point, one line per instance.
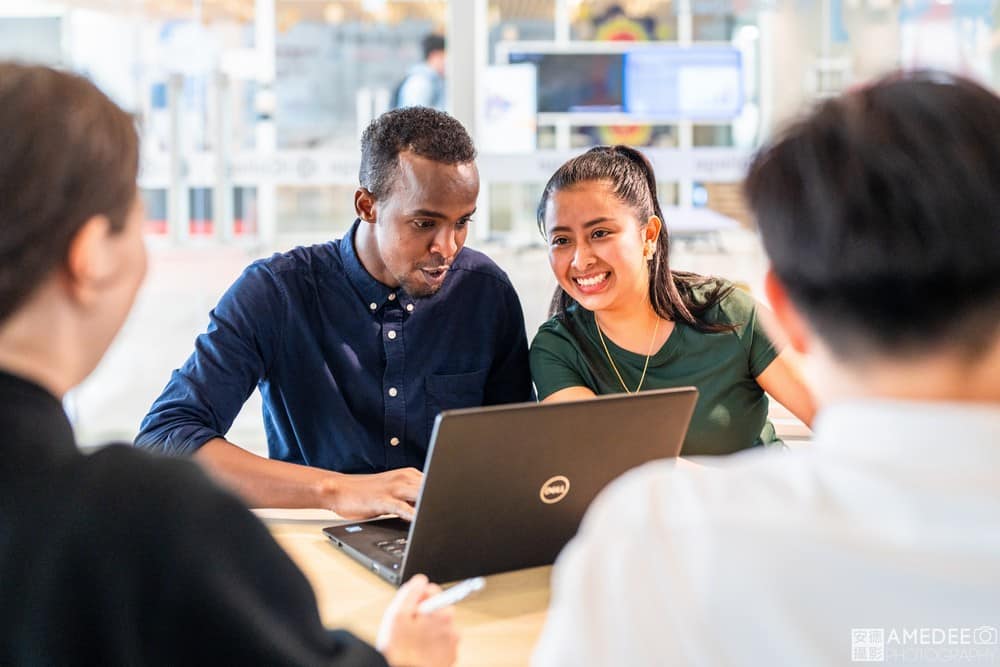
(119, 557)
(880, 212)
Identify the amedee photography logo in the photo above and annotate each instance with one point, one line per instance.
(926, 645)
(868, 645)
(986, 635)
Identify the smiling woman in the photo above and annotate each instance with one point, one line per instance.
(621, 320)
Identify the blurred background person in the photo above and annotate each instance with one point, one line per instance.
(424, 83)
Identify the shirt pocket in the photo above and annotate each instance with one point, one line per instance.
(449, 392)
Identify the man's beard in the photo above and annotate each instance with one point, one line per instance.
(417, 288)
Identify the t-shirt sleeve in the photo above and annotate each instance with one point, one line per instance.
(223, 591)
(742, 309)
(555, 362)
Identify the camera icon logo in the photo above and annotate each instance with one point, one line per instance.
(985, 635)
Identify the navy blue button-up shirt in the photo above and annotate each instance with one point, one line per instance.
(352, 373)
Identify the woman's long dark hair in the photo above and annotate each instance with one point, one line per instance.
(671, 293)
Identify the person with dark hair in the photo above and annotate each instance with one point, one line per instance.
(120, 558)
(423, 85)
(356, 344)
(623, 321)
(880, 212)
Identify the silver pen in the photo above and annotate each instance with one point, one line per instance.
(456, 593)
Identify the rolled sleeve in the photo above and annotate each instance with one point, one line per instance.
(204, 396)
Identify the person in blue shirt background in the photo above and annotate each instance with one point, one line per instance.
(356, 344)
(424, 82)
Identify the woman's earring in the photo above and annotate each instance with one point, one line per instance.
(649, 250)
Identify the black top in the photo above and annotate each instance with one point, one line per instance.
(120, 558)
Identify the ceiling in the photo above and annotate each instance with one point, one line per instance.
(290, 12)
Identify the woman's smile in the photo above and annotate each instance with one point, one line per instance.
(592, 283)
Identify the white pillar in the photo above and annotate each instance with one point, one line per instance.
(265, 135)
(178, 222)
(685, 128)
(467, 58)
(467, 43)
(222, 190)
(561, 21)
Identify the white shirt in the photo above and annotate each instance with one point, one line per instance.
(890, 521)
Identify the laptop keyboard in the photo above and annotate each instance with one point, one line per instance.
(395, 548)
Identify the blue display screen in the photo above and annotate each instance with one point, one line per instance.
(667, 83)
(681, 83)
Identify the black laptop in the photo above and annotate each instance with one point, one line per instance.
(505, 487)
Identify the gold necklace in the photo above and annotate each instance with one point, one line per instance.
(649, 353)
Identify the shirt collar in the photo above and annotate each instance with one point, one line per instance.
(911, 432)
(374, 294)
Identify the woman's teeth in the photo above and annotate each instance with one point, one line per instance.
(593, 280)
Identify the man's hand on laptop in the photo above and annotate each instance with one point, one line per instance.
(411, 639)
(365, 496)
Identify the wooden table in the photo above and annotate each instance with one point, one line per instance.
(498, 626)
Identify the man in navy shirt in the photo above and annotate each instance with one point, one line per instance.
(356, 344)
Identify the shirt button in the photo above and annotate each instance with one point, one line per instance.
(409, 307)
(393, 392)
(391, 335)
(392, 296)
(394, 442)
(373, 306)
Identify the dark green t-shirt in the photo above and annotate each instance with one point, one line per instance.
(731, 413)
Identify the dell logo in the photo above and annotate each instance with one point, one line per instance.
(554, 489)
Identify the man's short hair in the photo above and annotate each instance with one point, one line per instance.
(69, 153)
(880, 212)
(426, 132)
(431, 43)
